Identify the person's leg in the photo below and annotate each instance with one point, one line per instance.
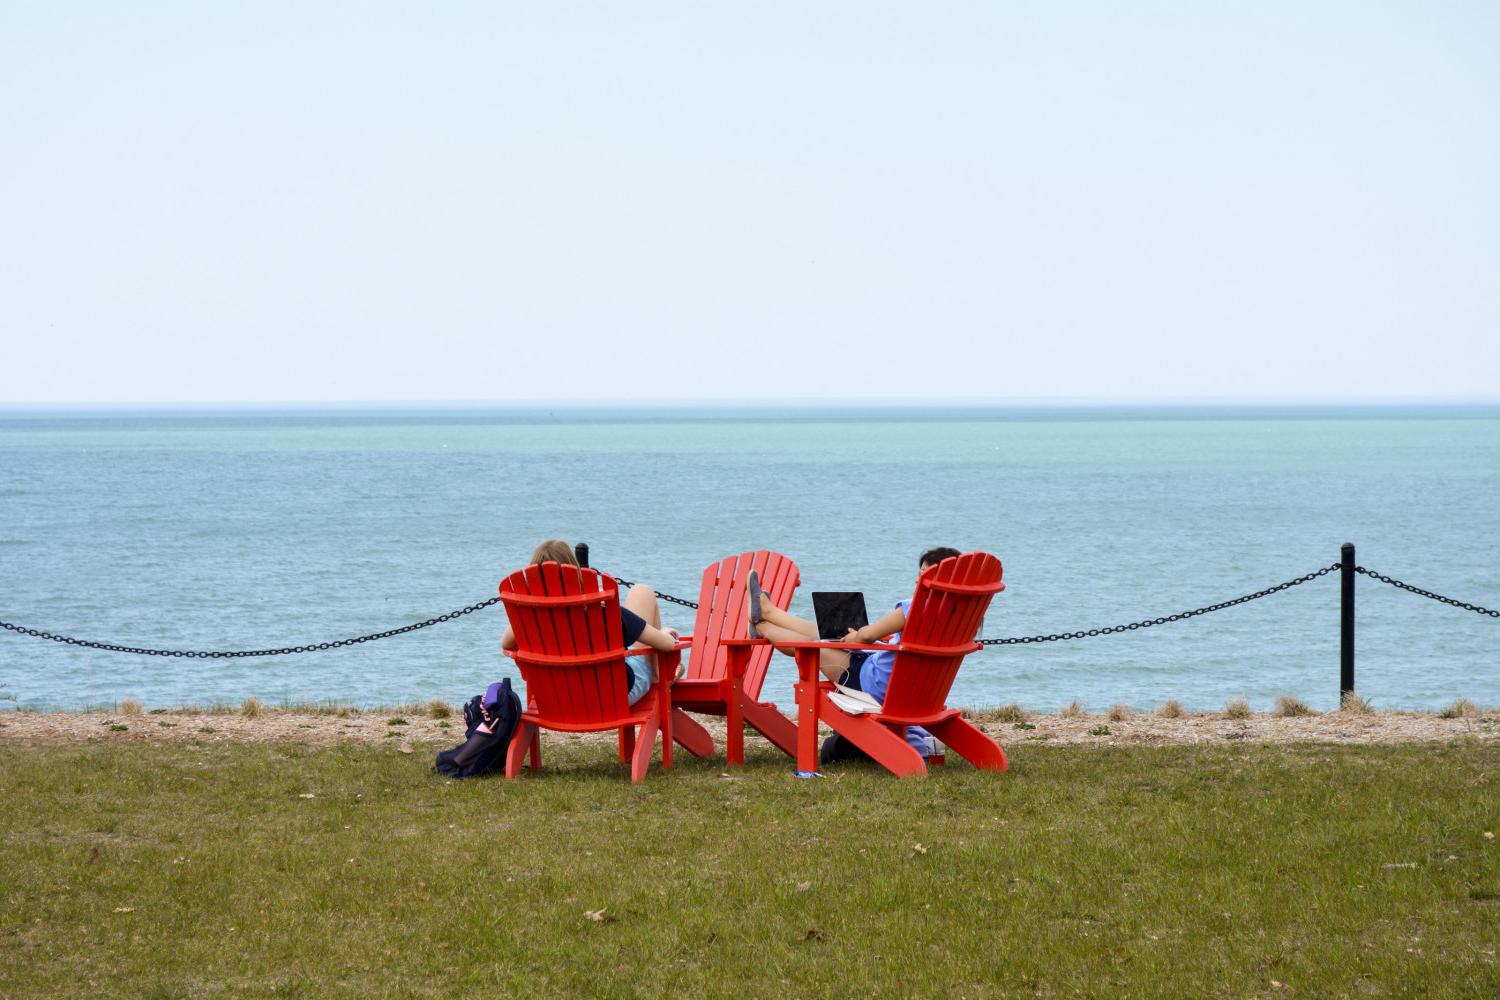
(787, 623)
(781, 626)
(642, 600)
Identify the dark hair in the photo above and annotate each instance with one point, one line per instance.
(934, 556)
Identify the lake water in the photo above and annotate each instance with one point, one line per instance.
(262, 528)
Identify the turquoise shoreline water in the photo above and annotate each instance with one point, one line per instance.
(224, 529)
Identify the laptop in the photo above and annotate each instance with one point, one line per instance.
(837, 612)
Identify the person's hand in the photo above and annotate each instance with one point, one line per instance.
(855, 637)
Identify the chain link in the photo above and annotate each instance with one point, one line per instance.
(1148, 622)
(222, 654)
(1426, 593)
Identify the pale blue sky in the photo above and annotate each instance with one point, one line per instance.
(215, 202)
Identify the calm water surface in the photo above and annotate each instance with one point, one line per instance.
(235, 530)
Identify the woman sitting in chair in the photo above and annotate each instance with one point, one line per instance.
(640, 620)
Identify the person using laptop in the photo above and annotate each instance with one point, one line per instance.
(860, 670)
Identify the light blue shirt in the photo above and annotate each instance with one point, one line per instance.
(875, 672)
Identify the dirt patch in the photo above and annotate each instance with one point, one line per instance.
(374, 729)
(1214, 727)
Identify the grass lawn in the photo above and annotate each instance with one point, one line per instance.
(241, 870)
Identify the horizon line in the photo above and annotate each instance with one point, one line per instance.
(752, 402)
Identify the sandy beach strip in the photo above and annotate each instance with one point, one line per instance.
(407, 729)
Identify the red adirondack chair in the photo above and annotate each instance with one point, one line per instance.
(944, 616)
(571, 651)
(726, 680)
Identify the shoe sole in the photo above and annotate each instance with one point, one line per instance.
(755, 617)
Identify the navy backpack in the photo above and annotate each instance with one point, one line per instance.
(481, 753)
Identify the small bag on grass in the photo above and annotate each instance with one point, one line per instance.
(490, 720)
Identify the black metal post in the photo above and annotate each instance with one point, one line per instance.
(1346, 620)
(581, 551)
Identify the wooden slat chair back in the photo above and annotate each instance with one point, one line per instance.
(571, 652)
(945, 615)
(723, 613)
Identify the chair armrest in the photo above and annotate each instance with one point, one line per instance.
(683, 642)
(873, 647)
(808, 644)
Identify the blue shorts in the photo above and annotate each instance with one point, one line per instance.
(851, 678)
(638, 672)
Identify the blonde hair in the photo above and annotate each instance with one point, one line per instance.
(554, 550)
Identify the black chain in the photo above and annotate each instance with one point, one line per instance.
(627, 584)
(220, 654)
(1147, 623)
(1010, 641)
(1426, 593)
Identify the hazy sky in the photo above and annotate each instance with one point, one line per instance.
(262, 201)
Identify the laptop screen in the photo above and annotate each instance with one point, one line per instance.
(837, 612)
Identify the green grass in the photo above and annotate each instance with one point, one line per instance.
(186, 871)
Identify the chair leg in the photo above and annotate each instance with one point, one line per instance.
(666, 737)
(734, 706)
(888, 748)
(627, 743)
(970, 743)
(640, 760)
(519, 744)
(774, 726)
(734, 727)
(691, 736)
(808, 698)
(666, 664)
(536, 748)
